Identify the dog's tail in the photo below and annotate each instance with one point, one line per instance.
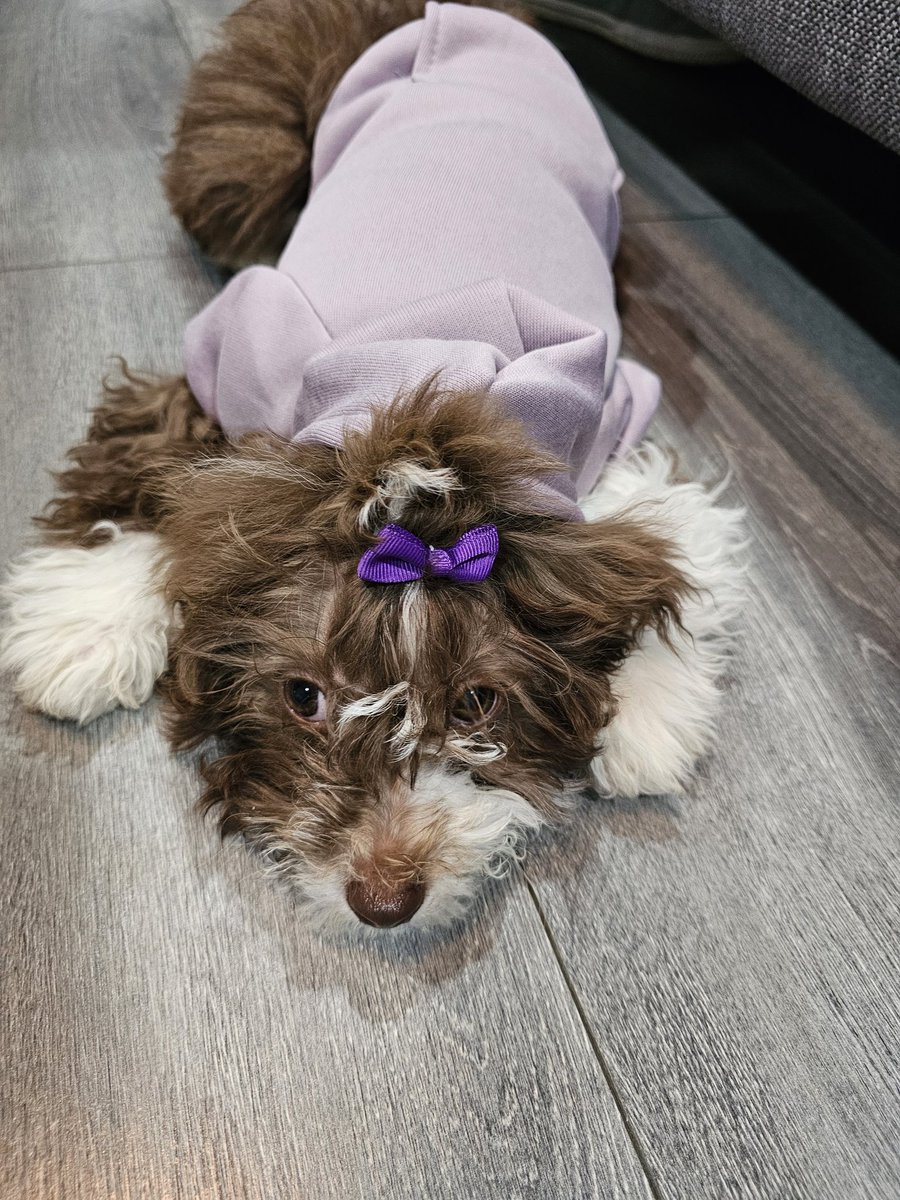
(238, 173)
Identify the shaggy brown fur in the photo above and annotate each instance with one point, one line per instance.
(261, 541)
(238, 174)
(145, 427)
(264, 546)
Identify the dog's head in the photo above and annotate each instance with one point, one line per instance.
(387, 744)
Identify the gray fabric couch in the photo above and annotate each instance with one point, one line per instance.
(842, 54)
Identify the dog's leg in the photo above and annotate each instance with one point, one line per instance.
(88, 623)
(667, 694)
(238, 173)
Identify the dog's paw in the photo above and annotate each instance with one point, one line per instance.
(667, 697)
(87, 630)
(667, 694)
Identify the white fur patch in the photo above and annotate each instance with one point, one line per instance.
(483, 829)
(474, 748)
(405, 738)
(399, 483)
(667, 696)
(369, 706)
(411, 623)
(87, 630)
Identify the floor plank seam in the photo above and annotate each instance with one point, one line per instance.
(677, 219)
(179, 33)
(630, 1130)
(97, 262)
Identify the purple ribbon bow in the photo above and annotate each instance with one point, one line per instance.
(401, 557)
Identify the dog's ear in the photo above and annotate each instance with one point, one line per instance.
(589, 590)
(145, 428)
(239, 521)
(248, 538)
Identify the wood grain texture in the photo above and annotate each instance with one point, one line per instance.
(171, 1029)
(168, 1026)
(88, 92)
(198, 20)
(737, 950)
(59, 329)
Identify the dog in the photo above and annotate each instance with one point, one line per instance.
(359, 543)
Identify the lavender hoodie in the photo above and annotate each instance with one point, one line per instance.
(462, 218)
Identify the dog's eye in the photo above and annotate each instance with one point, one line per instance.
(305, 699)
(475, 706)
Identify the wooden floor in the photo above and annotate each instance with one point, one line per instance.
(681, 998)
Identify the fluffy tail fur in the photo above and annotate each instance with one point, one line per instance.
(238, 174)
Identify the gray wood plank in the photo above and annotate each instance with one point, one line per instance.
(168, 1026)
(88, 92)
(719, 299)
(59, 328)
(736, 950)
(198, 20)
(758, 365)
(655, 188)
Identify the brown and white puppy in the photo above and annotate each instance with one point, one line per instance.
(383, 747)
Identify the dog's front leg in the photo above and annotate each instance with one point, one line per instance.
(667, 692)
(87, 625)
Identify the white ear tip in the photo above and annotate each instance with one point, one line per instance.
(87, 629)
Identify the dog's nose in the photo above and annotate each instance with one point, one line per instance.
(384, 905)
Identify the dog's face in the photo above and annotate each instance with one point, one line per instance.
(386, 745)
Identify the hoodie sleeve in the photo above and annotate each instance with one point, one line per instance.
(244, 353)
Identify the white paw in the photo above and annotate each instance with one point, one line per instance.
(87, 630)
(667, 696)
(666, 699)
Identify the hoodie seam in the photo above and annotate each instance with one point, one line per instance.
(427, 54)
